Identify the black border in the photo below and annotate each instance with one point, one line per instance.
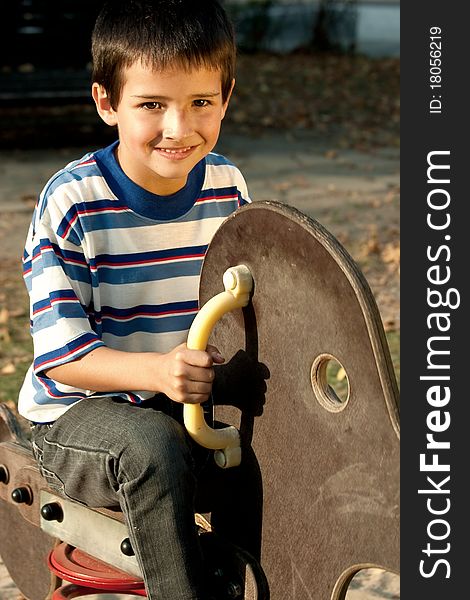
(421, 133)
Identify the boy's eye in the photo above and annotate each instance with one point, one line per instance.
(151, 105)
(201, 103)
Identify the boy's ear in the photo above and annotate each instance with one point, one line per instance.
(103, 104)
(225, 106)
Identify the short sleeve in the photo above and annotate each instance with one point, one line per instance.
(59, 282)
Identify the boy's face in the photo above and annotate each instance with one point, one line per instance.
(167, 122)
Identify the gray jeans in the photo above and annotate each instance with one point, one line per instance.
(106, 452)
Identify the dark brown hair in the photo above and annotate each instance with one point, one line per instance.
(161, 34)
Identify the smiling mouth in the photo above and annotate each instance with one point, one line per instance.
(175, 153)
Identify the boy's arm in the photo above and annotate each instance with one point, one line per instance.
(183, 375)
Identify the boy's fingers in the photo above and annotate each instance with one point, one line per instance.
(215, 354)
(192, 392)
(196, 358)
(202, 375)
(196, 398)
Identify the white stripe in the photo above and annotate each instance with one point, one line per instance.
(170, 235)
(146, 342)
(65, 331)
(179, 289)
(42, 285)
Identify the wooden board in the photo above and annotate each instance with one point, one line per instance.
(317, 494)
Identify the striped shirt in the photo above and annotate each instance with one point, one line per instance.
(108, 263)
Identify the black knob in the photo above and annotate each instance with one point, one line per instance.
(52, 512)
(126, 547)
(3, 474)
(22, 495)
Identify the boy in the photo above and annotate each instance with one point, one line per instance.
(112, 265)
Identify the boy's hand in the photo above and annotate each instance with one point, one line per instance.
(187, 375)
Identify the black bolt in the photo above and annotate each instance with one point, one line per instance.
(22, 495)
(52, 512)
(3, 474)
(126, 547)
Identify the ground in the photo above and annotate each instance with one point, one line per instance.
(318, 133)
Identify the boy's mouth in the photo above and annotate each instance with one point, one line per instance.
(175, 153)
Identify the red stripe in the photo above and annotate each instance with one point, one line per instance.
(64, 299)
(148, 261)
(90, 161)
(103, 209)
(51, 393)
(67, 260)
(148, 314)
(51, 360)
(41, 248)
(69, 225)
(216, 198)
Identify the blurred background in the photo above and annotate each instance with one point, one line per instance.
(322, 65)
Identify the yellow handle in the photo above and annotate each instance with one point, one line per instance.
(238, 284)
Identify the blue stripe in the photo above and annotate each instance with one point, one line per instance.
(148, 325)
(241, 200)
(157, 255)
(43, 397)
(53, 295)
(64, 176)
(74, 232)
(104, 221)
(28, 279)
(210, 210)
(129, 220)
(130, 397)
(123, 276)
(217, 159)
(52, 256)
(85, 342)
(219, 192)
(150, 310)
(80, 210)
(49, 318)
(68, 255)
(72, 173)
(72, 271)
(46, 245)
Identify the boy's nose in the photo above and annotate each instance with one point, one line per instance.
(176, 125)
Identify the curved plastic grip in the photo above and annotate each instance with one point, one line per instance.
(238, 284)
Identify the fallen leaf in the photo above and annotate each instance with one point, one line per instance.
(4, 316)
(5, 334)
(17, 312)
(371, 246)
(8, 369)
(391, 253)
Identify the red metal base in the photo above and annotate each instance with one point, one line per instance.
(70, 591)
(89, 575)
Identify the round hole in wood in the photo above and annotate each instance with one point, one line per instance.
(330, 383)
